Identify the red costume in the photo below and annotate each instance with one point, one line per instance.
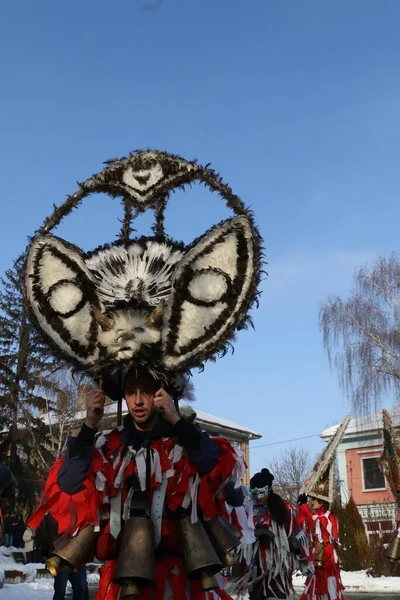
(322, 528)
(112, 464)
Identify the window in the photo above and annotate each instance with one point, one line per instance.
(380, 529)
(373, 478)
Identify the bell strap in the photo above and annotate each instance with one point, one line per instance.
(115, 515)
(157, 509)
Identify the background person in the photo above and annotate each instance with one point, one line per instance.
(281, 546)
(18, 530)
(29, 545)
(323, 527)
(46, 533)
(8, 529)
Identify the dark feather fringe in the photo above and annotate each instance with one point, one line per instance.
(142, 241)
(126, 228)
(158, 227)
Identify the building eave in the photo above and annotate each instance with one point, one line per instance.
(206, 420)
(368, 426)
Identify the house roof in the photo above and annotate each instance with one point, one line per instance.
(202, 417)
(371, 422)
(209, 418)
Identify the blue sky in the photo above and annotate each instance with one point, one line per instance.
(295, 103)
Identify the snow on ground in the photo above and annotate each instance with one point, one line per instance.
(42, 589)
(37, 590)
(5, 553)
(360, 582)
(354, 581)
(7, 563)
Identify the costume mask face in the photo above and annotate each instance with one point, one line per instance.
(147, 301)
(259, 493)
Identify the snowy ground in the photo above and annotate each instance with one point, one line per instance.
(358, 581)
(354, 581)
(37, 590)
(33, 588)
(42, 589)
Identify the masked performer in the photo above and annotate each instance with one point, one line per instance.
(281, 546)
(390, 463)
(321, 525)
(152, 495)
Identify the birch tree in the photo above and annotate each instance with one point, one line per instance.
(362, 335)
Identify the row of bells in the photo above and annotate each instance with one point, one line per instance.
(206, 548)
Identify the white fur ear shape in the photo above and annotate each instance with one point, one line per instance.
(61, 294)
(212, 291)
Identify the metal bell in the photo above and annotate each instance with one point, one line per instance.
(393, 551)
(74, 552)
(129, 591)
(319, 551)
(135, 567)
(199, 557)
(224, 538)
(208, 581)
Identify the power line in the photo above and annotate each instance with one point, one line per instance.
(306, 437)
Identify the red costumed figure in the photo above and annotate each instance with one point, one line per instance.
(155, 498)
(323, 529)
(322, 526)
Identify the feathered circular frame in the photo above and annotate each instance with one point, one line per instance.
(143, 181)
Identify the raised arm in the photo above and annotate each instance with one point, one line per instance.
(76, 463)
(201, 449)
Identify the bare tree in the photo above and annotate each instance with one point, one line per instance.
(61, 405)
(56, 422)
(290, 470)
(362, 334)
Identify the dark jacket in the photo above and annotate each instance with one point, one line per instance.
(7, 525)
(46, 533)
(18, 529)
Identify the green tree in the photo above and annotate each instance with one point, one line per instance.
(355, 551)
(24, 363)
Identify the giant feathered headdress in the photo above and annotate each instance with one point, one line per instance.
(320, 482)
(149, 300)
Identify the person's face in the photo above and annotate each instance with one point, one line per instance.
(139, 396)
(315, 504)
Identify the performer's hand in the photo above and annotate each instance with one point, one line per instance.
(95, 407)
(302, 499)
(318, 564)
(306, 569)
(165, 404)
